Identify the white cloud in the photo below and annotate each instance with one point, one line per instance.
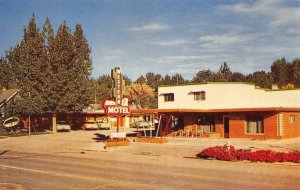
(109, 56)
(186, 57)
(174, 42)
(286, 17)
(175, 59)
(275, 11)
(150, 28)
(257, 7)
(112, 55)
(225, 38)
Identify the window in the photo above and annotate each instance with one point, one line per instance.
(199, 95)
(293, 118)
(206, 123)
(169, 97)
(255, 124)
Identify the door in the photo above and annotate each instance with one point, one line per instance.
(226, 127)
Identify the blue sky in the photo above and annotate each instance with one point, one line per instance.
(168, 36)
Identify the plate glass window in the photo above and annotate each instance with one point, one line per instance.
(255, 124)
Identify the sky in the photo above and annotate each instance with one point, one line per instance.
(167, 36)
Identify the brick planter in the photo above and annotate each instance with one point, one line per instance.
(151, 140)
(116, 143)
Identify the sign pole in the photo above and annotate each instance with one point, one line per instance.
(118, 123)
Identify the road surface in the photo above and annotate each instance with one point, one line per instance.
(142, 170)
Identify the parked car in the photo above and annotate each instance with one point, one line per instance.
(89, 125)
(103, 125)
(63, 126)
(141, 124)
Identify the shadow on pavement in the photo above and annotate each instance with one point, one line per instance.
(5, 151)
(100, 137)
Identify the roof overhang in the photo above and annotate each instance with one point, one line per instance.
(139, 112)
(161, 94)
(144, 112)
(271, 109)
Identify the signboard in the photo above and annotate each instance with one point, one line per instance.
(112, 109)
(116, 106)
(118, 85)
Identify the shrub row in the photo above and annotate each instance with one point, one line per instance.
(231, 154)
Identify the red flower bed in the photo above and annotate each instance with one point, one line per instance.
(230, 153)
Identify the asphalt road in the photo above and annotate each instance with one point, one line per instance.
(20, 170)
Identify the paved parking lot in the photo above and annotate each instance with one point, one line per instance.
(89, 141)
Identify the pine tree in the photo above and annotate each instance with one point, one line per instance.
(61, 53)
(280, 72)
(70, 67)
(82, 70)
(28, 60)
(224, 74)
(48, 36)
(104, 87)
(5, 77)
(141, 80)
(294, 72)
(47, 32)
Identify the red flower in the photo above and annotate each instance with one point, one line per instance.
(223, 153)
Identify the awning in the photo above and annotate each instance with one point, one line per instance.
(161, 94)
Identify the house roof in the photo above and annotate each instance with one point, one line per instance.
(228, 83)
(6, 95)
(273, 109)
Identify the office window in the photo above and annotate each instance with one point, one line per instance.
(206, 123)
(255, 124)
(293, 118)
(199, 95)
(169, 97)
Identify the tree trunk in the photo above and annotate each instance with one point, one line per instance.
(54, 126)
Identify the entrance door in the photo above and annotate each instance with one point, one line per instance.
(226, 127)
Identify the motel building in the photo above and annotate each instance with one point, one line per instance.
(229, 110)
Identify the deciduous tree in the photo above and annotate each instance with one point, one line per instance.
(140, 94)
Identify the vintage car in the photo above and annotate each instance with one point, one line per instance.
(141, 124)
(89, 125)
(103, 125)
(63, 126)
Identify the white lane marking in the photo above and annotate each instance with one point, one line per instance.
(105, 182)
(62, 174)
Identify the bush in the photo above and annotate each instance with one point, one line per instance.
(230, 154)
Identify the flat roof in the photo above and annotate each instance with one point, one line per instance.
(271, 109)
